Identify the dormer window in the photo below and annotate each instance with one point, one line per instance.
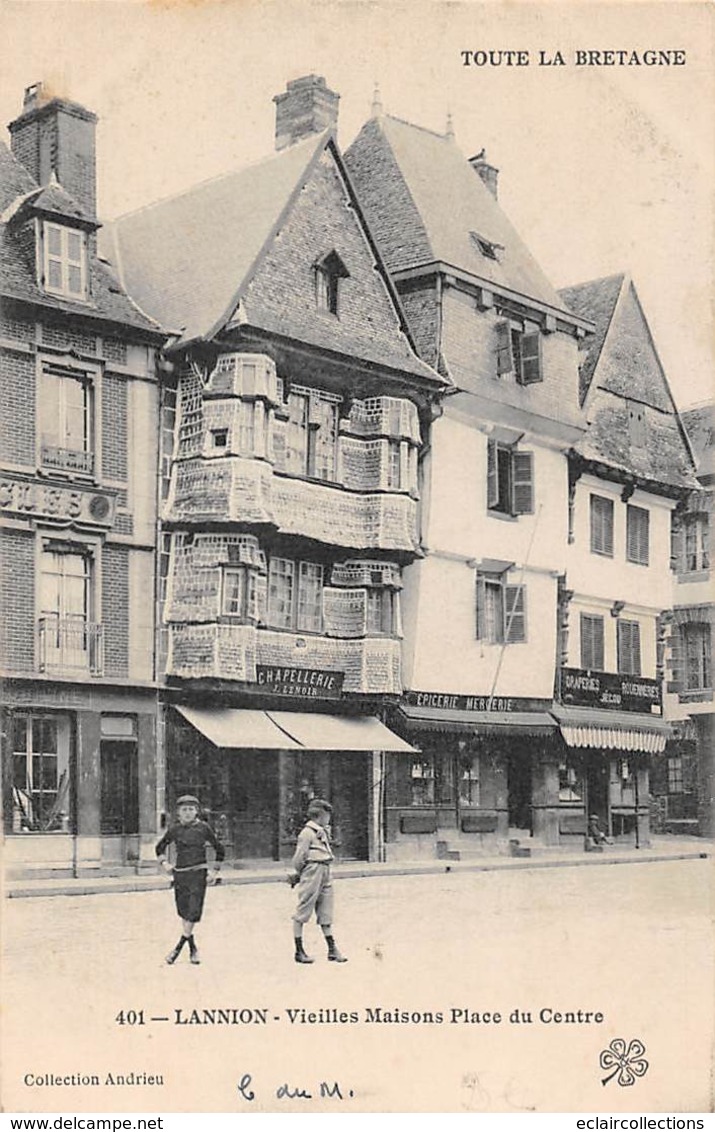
(486, 247)
(329, 271)
(64, 261)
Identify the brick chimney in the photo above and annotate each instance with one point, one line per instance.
(306, 107)
(488, 173)
(56, 135)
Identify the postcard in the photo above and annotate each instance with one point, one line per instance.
(355, 493)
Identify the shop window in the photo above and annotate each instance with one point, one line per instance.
(295, 595)
(66, 420)
(311, 435)
(501, 610)
(519, 352)
(697, 648)
(675, 775)
(468, 779)
(69, 640)
(570, 783)
(637, 534)
(41, 794)
(65, 261)
(601, 525)
(621, 785)
(510, 479)
(592, 650)
(629, 647)
(422, 781)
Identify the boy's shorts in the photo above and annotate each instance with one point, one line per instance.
(315, 892)
(189, 893)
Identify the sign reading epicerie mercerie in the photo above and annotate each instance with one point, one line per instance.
(307, 683)
(610, 690)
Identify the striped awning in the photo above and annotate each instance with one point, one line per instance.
(612, 730)
(479, 722)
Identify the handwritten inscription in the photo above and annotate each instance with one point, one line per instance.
(325, 1090)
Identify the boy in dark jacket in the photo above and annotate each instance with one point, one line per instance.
(190, 835)
(310, 870)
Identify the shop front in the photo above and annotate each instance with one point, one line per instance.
(79, 779)
(255, 770)
(479, 778)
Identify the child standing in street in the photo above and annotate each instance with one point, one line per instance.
(190, 835)
(310, 870)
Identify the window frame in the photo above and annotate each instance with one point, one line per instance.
(637, 540)
(50, 820)
(65, 260)
(501, 619)
(519, 351)
(510, 479)
(294, 617)
(696, 640)
(630, 661)
(56, 382)
(307, 457)
(591, 647)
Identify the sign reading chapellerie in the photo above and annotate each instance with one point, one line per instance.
(306, 683)
(447, 701)
(610, 690)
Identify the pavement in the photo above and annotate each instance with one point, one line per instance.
(662, 848)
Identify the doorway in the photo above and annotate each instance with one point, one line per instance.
(349, 795)
(253, 790)
(519, 792)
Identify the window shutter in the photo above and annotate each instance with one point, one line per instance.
(677, 543)
(637, 528)
(492, 474)
(601, 524)
(523, 483)
(530, 359)
(480, 607)
(515, 614)
(505, 361)
(592, 646)
(629, 648)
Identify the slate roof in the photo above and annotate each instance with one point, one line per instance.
(699, 424)
(436, 200)
(620, 364)
(191, 260)
(18, 278)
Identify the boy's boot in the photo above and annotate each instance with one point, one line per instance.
(193, 951)
(333, 954)
(176, 952)
(300, 956)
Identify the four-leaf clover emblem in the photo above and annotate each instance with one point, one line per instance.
(628, 1063)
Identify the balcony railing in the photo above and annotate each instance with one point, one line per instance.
(66, 646)
(67, 459)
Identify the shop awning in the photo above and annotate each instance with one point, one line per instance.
(612, 730)
(292, 730)
(482, 722)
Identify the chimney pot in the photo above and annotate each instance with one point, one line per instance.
(307, 106)
(488, 173)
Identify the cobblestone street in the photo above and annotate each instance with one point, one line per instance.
(631, 943)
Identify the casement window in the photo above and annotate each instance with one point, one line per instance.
(629, 647)
(592, 650)
(697, 655)
(329, 273)
(690, 542)
(394, 465)
(242, 593)
(42, 799)
(637, 534)
(468, 779)
(637, 425)
(295, 595)
(219, 437)
(675, 775)
(64, 261)
(510, 479)
(486, 247)
(501, 610)
(381, 613)
(311, 435)
(601, 525)
(68, 638)
(66, 419)
(519, 352)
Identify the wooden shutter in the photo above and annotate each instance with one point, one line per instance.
(592, 648)
(677, 543)
(480, 607)
(514, 614)
(505, 361)
(492, 474)
(601, 524)
(523, 483)
(637, 528)
(530, 359)
(629, 648)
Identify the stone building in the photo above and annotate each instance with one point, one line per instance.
(77, 514)
(294, 423)
(684, 788)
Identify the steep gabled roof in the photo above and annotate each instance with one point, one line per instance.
(620, 369)
(699, 422)
(426, 203)
(243, 248)
(20, 196)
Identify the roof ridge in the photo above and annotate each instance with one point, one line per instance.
(220, 177)
(416, 126)
(590, 282)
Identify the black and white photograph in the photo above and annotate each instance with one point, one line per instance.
(356, 605)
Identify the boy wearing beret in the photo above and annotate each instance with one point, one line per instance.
(310, 870)
(189, 875)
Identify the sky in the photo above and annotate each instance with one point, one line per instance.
(603, 169)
